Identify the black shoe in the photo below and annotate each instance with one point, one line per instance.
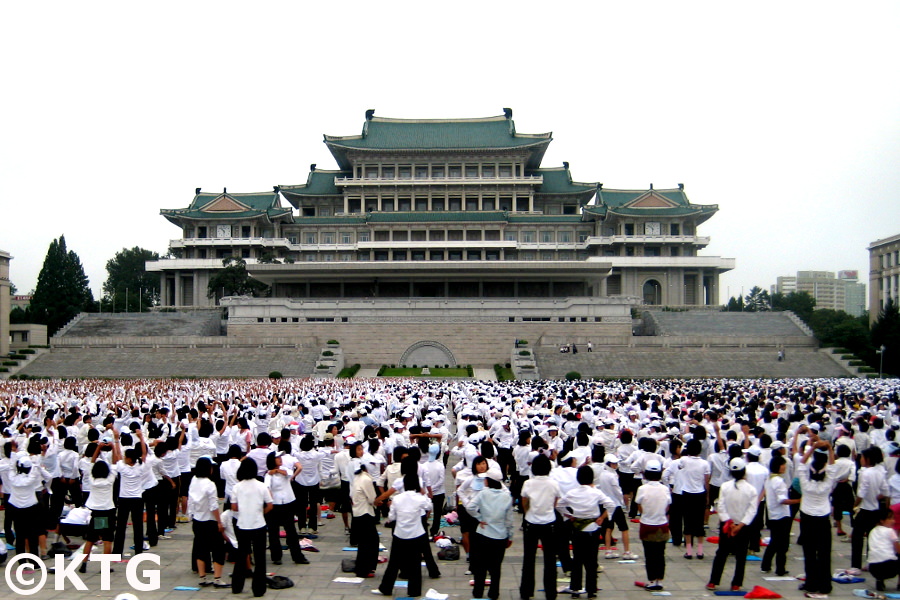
(879, 585)
(276, 562)
(781, 573)
(83, 567)
(435, 576)
(302, 561)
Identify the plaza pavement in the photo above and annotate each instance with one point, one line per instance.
(684, 578)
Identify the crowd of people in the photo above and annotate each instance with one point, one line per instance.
(585, 464)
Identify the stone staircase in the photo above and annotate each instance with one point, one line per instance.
(134, 362)
(92, 325)
(715, 323)
(680, 362)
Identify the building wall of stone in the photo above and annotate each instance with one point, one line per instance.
(5, 305)
(374, 344)
(884, 274)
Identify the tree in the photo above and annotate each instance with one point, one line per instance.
(757, 300)
(12, 289)
(801, 304)
(128, 281)
(62, 289)
(234, 280)
(886, 332)
(735, 304)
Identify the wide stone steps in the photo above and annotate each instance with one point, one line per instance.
(714, 323)
(172, 362)
(687, 363)
(205, 323)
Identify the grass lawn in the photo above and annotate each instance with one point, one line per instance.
(435, 372)
(505, 374)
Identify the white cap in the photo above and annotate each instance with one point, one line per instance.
(653, 466)
(737, 464)
(755, 451)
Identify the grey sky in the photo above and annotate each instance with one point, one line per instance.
(786, 115)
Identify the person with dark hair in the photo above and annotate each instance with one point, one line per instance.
(131, 470)
(260, 452)
(363, 530)
(171, 469)
(843, 497)
(252, 500)
(69, 481)
(540, 495)
(24, 477)
(492, 509)
(207, 525)
(278, 480)
(870, 491)
(695, 472)
(652, 500)
(521, 468)
(779, 515)
(100, 501)
(816, 485)
(737, 506)
(306, 489)
(883, 550)
(586, 507)
(435, 475)
(407, 510)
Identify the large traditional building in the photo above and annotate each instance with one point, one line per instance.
(445, 220)
(884, 274)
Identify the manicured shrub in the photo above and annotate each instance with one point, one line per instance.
(334, 343)
(524, 353)
(275, 375)
(328, 353)
(573, 375)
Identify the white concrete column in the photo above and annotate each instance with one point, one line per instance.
(177, 288)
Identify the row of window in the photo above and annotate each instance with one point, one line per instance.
(890, 259)
(440, 235)
(453, 171)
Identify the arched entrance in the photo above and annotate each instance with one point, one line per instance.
(428, 353)
(652, 292)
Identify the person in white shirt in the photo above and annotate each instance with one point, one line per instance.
(737, 506)
(306, 487)
(278, 480)
(364, 532)
(816, 485)
(540, 495)
(757, 474)
(586, 507)
(435, 474)
(252, 500)
(652, 500)
(100, 501)
(131, 494)
(24, 478)
(406, 512)
(870, 491)
(883, 549)
(207, 524)
(779, 512)
(845, 473)
(492, 509)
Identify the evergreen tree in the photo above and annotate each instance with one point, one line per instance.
(234, 280)
(128, 281)
(735, 304)
(757, 300)
(801, 304)
(62, 290)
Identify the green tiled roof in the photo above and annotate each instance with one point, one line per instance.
(426, 217)
(319, 183)
(437, 134)
(559, 181)
(545, 219)
(230, 206)
(622, 203)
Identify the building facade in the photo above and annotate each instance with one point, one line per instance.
(5, 306)
(884, 274)
(444, 221)
(835, 292)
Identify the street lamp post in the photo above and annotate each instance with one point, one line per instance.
(880, 353)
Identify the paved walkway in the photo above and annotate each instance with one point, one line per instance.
(684, 578)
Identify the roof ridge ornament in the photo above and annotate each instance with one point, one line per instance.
(369, 114)
(507, 112)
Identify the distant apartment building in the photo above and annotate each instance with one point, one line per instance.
(884, 274)
(840, 292)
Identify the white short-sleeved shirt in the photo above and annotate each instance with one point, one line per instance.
(251, 496)
(881, 544)
(542, 493)
(654, 499)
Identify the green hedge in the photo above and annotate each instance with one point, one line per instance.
(10, 363)
(524, 353)
(348, 372)
(26, 351)
(328, 353)
(275, 375)
(573, 375)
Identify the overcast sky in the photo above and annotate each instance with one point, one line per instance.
(785, 114)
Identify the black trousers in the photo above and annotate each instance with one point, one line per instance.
(532, 536)
(129, 508)
(676, 519)
(60, 488)
(172, 502)
(307, 506)
(208, 542)
(865, 521)
(8, 521)
(780, 541)
(405, 556)
(584, 558)
(655, 560)
(816, 535)
(437, 511)
(506, 462)
(486, 559)
(365, 534)
(756, 528)
(884, 570)
(736, 545)
(151, 505)
(250, 541)
(564, 530)
(282, 517)
(27, 523)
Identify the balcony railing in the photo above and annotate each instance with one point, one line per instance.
(606, 240)
(394, 181)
